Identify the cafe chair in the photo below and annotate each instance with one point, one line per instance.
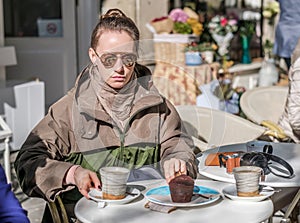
(264, 103)
(264, 106)
(29, 109)
(212, 128)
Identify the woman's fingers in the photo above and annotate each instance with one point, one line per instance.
(85, 180)
(95, 180)
(183, 167)
(174, 167)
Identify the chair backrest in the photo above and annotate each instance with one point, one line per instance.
(5, 131)
(217, 128)
(264, 103)
(29, 110)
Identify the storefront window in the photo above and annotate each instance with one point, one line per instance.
(31, 18)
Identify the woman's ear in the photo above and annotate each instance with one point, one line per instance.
(92, 55)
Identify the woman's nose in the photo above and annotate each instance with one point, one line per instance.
(119, 65)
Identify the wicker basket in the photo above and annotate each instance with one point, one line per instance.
(169, 48)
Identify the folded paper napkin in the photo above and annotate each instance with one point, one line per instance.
(159, 208)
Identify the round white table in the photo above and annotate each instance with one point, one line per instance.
(290, 152)
(223, 210)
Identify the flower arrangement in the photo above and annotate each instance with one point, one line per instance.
(247, 28)
(270, 11)
(246, 31)
(221, 25)
(184, 21)
(222, 29)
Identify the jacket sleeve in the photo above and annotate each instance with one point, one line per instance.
(293, 101)
(175, 143)
(10, 208)
(39, 166)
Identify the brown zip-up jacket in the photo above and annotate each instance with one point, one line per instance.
(77, 130)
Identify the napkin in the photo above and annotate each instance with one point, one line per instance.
(159, 208)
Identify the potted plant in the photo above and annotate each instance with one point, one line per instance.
(195, 52)
(207, 50)
(192, 54)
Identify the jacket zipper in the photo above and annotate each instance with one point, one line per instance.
(122, 133)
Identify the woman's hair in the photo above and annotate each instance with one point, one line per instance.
(115, 20)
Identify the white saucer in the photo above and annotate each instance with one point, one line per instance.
(230, 192)
(96, 195)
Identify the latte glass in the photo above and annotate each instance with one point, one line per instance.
(247, 180)
(114, 182)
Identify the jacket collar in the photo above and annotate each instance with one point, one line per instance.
(88, 104)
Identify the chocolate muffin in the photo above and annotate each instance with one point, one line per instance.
(181, 189)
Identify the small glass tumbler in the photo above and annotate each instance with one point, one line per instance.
(114, 182)
(247, 180)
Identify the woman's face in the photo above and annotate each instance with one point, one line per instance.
(115, 58)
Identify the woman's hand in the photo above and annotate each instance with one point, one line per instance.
(86, 179)
(173, 167)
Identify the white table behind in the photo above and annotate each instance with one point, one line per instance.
(290, 152)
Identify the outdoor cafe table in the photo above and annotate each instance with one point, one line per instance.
(290, 152)
(223, 210)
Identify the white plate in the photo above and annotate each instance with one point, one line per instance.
(96, 195)
(230, 192)
(161, 195)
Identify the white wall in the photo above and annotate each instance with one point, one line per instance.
(142, 12)
(2, 69)
(87, 19)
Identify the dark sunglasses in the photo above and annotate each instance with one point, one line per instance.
(110, 59)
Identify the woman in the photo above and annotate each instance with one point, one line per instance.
(290, 119)
(10, 208)
(113, 116)
(287, 30)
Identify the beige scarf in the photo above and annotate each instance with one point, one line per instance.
(117, 103)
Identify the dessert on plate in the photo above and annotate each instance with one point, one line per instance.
(181, 189)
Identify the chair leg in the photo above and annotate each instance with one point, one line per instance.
(54, 212)
(64, 214)
(270, 220)
(291, 208)
(7, 160)
(58, 211)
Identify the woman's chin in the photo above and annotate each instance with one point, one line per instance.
(117, 85)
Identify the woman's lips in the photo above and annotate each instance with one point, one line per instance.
(118, 78)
